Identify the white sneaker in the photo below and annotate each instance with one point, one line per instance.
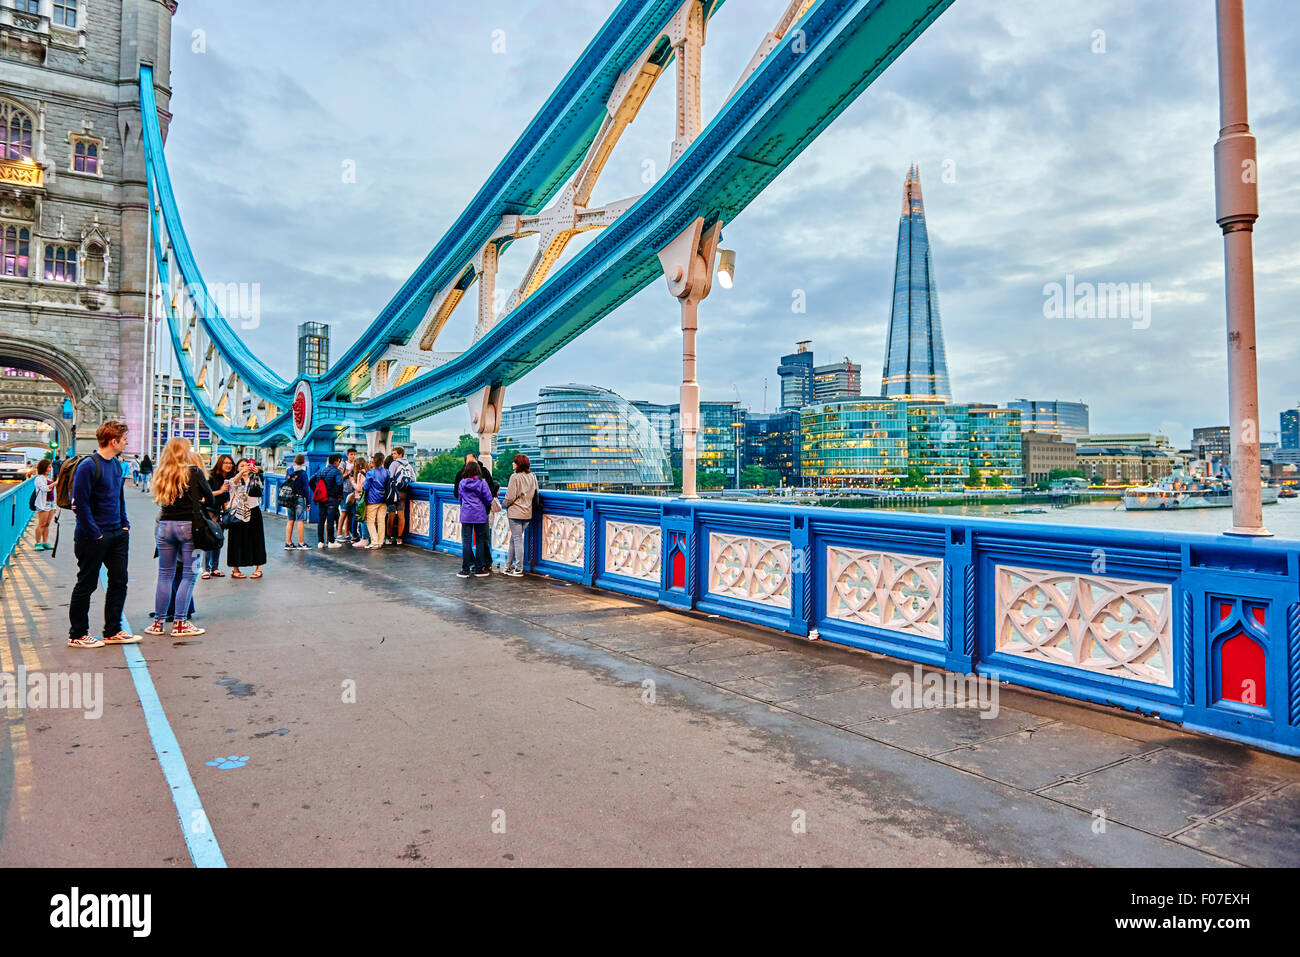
(320, 544)
(334, 545)
(360, 544)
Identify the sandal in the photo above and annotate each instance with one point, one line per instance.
(256, 574)
(238, 575)
(206, 575)
(218, 574)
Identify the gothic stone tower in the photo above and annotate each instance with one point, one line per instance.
(74, 199)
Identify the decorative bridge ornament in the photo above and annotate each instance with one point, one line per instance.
(1108, 625)
(902, 593)
(806, 70)
(750, 569)
(633, 550)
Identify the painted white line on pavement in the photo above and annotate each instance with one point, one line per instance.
(202, 843)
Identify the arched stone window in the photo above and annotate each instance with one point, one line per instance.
(15, 133)
(61, 263)
(95, 264)
(15, 243)
(85, 156)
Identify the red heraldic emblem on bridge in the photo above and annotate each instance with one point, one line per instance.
(302, 409)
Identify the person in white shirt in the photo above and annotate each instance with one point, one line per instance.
(43, 501)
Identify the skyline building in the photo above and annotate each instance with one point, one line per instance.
(796, 373)
(592, 438)
(916, 365)
(837, 380)
(1290, 429)
(313, 348)
(1054, 417)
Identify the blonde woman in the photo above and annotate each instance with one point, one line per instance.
(180, 487)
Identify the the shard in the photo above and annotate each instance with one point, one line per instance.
(916, 366)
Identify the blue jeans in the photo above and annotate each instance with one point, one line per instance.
(472, 535)
(327, 514)
(211, 560)
(175, 543)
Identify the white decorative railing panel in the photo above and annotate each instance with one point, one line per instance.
(419, 517)
(563, 539)
(751, 569)
(1113, 626)
(633, 550)
(902, 593)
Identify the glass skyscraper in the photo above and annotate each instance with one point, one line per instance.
(796, 373)
(591, 438)
(1066, 419)
(916, 366)
(720, 441)
(1290, 434)
(854, 442)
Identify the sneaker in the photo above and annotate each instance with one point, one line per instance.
(89, 641)
(122, 638)
(359, 544)
(397, 541)
(183, 629)
(483, 574)
(515, 573)
(288, 546)
(334, 545)
(320, 544)
(462, 574)
(375, 545)
(155, 630)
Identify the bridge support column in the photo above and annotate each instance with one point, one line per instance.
(1236, 209)
(485, 418)
(688, 267)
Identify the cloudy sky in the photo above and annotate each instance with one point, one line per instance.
(1042, 155)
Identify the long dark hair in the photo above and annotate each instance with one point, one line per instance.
(470, 469)
(218, 473)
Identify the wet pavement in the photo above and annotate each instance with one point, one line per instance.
(370, 708)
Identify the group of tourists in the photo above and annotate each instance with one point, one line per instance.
(360, 501)
(477, 491)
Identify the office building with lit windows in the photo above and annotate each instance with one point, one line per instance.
(720, 441)
(591, 438)
(995, 448)
(1290, 429)
(1052, 417)
(854, 442)
(772, 441)
(837, 380)
(796, 375)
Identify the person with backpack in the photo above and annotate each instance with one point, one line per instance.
(403, 474)
(146, 470)
(376, 489)
(182, 491)
(43, 503)
(299, 504)
(92, 487)
(519, 512)
(476, 500)
(327, 492)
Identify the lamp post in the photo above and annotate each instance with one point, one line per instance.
(1236, 209)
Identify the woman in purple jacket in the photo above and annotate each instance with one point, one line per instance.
(475, 502)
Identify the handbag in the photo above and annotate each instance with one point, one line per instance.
(207, 534)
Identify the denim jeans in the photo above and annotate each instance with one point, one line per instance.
(327, 513)
(212, 560)
(475, 545)
(175, 543)
(515, 554)
(110, 551)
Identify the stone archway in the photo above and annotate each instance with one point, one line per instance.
(50, 417)
(69, 373)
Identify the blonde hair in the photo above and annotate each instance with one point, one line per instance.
(172, 475)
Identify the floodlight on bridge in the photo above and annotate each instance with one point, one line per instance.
(726, 268)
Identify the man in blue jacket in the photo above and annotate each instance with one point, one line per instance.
(327, 512)
(101, 539)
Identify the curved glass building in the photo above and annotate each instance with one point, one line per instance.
(591, 438)
(916, 366)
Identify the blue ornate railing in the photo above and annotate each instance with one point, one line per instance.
(14, 517)
(1201, 630)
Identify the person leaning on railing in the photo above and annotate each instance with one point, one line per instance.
(519, 512)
